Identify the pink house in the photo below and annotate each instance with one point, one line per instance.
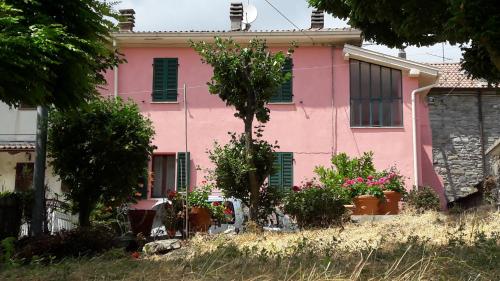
(342, 98)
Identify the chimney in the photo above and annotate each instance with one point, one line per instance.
(317, 19)
(402, 53)
(236, 16)
(127, 20)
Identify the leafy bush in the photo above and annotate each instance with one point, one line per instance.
(99, 149)
(343, 167)
(11, 211)
(231, 173)
(67, 243)
(314, 206)
(423, 199)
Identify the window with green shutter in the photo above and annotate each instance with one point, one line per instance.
(284, 93)
(283, 178)
(165, 79)
(183, 172)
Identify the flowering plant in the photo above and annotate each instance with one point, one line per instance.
(369, 186)
(393, 180)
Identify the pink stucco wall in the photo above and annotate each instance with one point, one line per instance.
(309, 127)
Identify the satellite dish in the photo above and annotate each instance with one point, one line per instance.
(249, 14)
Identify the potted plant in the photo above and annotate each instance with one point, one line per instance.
(393, 188)
(173, 214)
(366, 194)
(200, 216)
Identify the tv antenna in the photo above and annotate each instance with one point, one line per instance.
(249, 15)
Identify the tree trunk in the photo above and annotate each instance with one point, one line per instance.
(254, 187)
(39, 212)
(84, 213)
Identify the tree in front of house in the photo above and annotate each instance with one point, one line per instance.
(99, 150)
(474, 24)
(245, 77)
(231, 172)
(54, 52)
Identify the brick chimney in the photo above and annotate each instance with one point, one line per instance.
(236, 16)
(127, 20)
(317, 19)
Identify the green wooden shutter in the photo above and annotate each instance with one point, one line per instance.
(144, 180)
(283, 178)
(165, 72)
(284, 93)
(183, 176)
(275, 179)
(287, 170)
(171, 78)
(286, 88)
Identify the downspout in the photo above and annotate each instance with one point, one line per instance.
(481, 132)
(414, 130)
(334, 142)
(115, 75)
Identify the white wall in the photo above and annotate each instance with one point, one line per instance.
(8, 163)
(17, 125)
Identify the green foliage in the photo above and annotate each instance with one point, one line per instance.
(7, 248)
(314, 206)
(473, 24)
(100, 150)
(11, 210)
(86, 241)
(244, 77)
(199, 197)
(54, 51)
(231, 172)
(423, 199)
(343, 168)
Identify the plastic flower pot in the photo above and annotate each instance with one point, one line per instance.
(366, 205)
(391, 204)
(200, 219)
(141, 221)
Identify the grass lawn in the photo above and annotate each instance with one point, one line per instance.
(431, 246)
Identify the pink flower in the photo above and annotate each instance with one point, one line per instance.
(370, 177)
(359, 179)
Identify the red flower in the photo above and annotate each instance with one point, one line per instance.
(171, 195)
(370, 177)
(135, 255)
(228, 211)
(359, 179)
(215, 204)
(296, 188)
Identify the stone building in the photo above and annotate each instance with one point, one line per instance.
(465, 122)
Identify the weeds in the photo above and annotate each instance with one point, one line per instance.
(427, 247)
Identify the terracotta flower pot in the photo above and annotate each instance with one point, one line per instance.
(391, 204)
(366, 205)
(200, 219)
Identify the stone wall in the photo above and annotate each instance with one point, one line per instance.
(456, 137)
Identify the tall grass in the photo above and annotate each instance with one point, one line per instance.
(414, 247)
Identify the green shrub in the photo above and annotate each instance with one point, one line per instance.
(11, 211)
(83, 241)
(314, 206)
(423, 199)
(343, 167)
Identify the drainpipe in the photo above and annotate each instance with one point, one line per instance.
(414, 130)
(115, 75)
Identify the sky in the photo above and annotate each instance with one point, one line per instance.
(156, 15)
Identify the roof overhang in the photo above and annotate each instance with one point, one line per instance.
(273, 38)
(426, 74)
(17, 146)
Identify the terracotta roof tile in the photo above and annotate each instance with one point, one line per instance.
(453, 77)
(17, 145)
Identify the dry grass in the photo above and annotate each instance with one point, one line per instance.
(431, 246)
